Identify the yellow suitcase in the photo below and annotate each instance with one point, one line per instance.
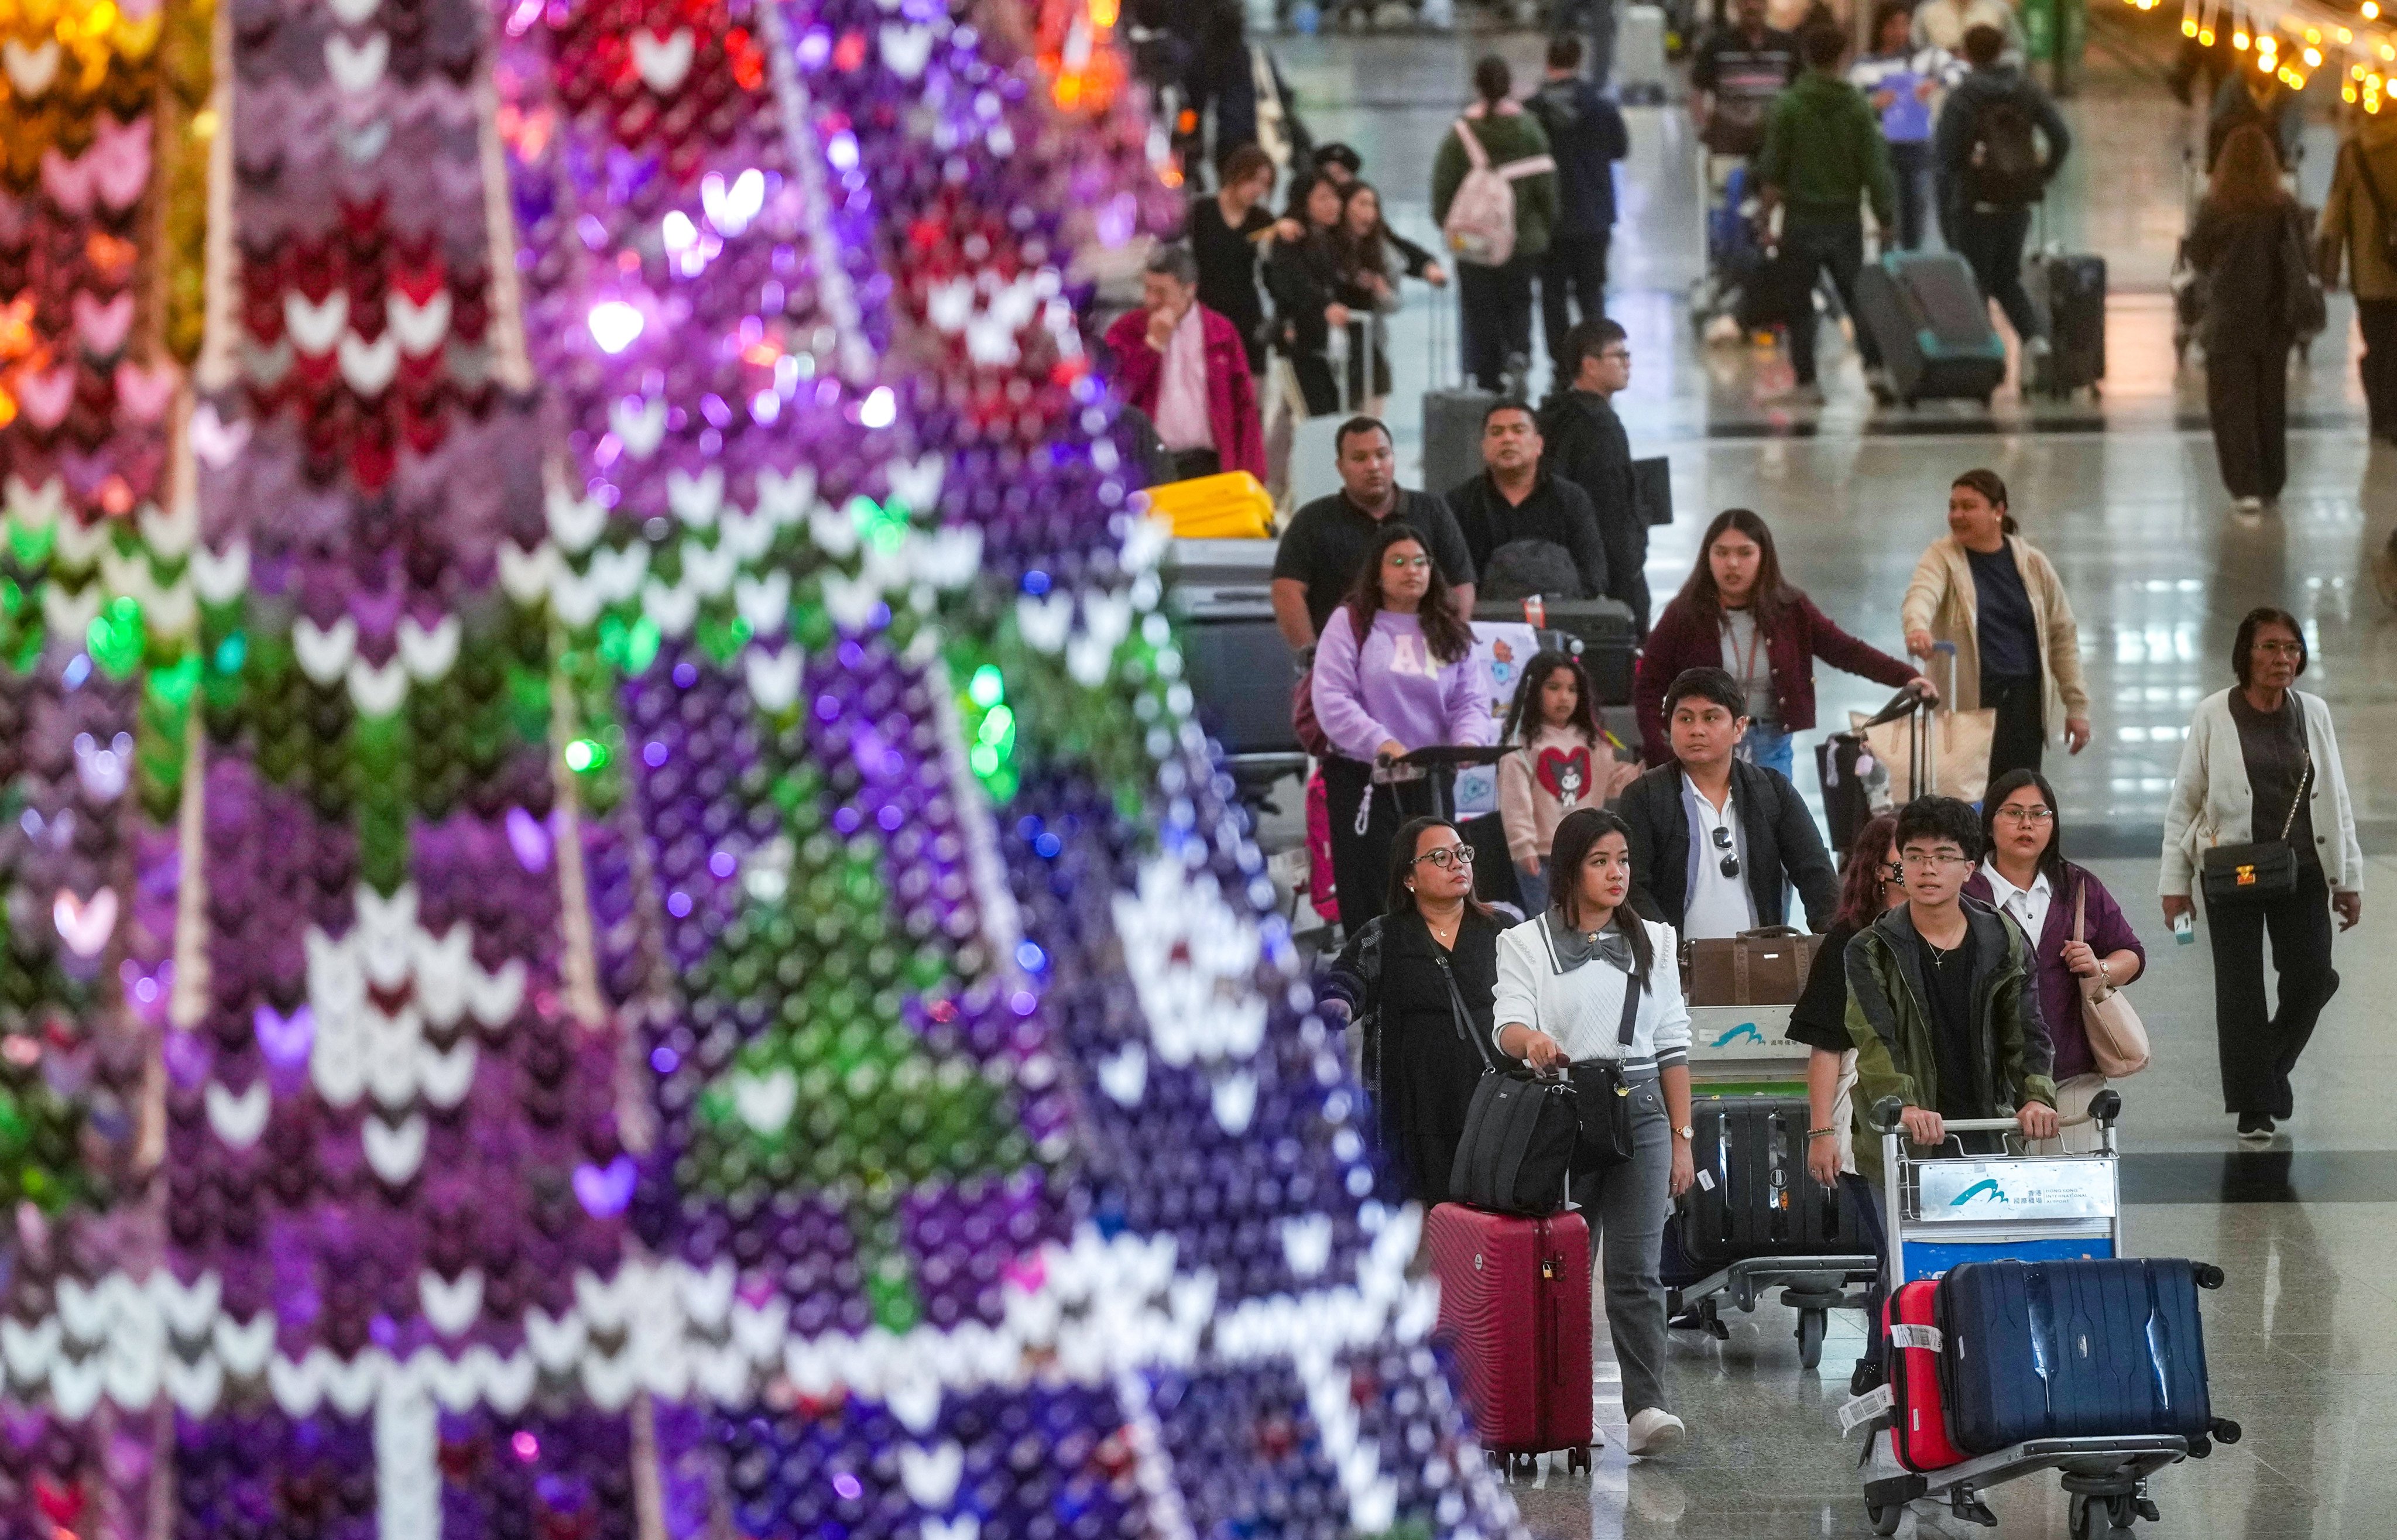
(1231, 507)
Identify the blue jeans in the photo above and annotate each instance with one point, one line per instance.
(1534, 889)
(1767, 748)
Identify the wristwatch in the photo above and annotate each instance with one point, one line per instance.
(1685, 1134)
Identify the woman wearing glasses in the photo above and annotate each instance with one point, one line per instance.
(2261, 770)
(1416, 982)
(1870, 884)
(1390, 678)
(1561, 979)
(2025, 876)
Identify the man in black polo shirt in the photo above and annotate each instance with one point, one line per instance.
(1515, 498)
(1329, 539)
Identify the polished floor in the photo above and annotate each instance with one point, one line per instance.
(2121, 492)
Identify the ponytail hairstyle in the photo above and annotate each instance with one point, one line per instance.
(1577, 832)
(1524, 718)
(1493, 81)
(1993, 491)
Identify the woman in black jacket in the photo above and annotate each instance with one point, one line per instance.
(1303, 276)
(2248, 249)
(1416, 985)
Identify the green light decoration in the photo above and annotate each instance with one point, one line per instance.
(115, 638)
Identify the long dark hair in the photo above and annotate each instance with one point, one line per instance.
(1369, 251)
(1863, 878)
(2051, 861)
(1577, 832)
(2247, 173)
(1992, 488)
(1445, 633)
(1524, 716)
(1400, 899)
(1772, 591)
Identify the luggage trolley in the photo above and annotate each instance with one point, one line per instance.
(1980, 1208)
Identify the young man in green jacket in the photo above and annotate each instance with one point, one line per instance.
(1944, 1012)
(1823, 156)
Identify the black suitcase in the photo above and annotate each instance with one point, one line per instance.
(2070, 291)
(1603, 628)
(1240, 670)
(1932, 324)
(2081, 1348)
(1755, 1198)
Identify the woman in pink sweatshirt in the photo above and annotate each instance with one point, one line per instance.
(1390, 678)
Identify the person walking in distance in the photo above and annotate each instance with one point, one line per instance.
(2023, 875)
(2248, 245)
(1737, 612)
(1562, 978)
(1496, 251)
(1303, 275)
(2262, 767)
(1586, 445)
(1736, 73)
(1942, 24)
(1586, 136)
(1517, 498)
(1228, 231)
(1186, 367)
(1901, 80)
(1996, 598)
(2358, 232)
(1319, 557)
(1991, 170)
(1823, 154)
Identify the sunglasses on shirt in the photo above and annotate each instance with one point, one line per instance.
(1730, 866)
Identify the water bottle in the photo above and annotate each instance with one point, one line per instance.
(2185, 927)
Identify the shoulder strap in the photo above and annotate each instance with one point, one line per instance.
(2371, 188)
(1463, 1017)
(1631, 991)
(2305, 778)
(1473, 151)
(2080, 910)
(1530, 166)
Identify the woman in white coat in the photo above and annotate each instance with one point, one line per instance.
(1561, 977)
(2261, 764)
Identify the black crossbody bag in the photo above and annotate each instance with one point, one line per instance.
(2234, 876)
(1603, 1095)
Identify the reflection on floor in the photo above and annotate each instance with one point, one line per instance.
(2121, 491)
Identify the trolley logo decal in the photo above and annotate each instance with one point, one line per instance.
(1975, 1190)
(1745, 1029)
(1986, 1187)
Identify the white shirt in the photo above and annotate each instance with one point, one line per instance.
(1719, 905)
(1583, 1009)
(2028, 906)
(1181, 417)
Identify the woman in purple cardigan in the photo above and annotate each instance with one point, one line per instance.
(1391, 677)
(1736, 613)
(2026, 877)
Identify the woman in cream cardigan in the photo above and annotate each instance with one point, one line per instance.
(1998, 598)
(1562, 978)
(2262, 763)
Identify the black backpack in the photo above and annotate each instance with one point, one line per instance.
(2006, 170)
(1522, 568)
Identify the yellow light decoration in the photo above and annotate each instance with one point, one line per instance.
(2314, 58)
(2188, 29)
(2206, 36)
(2239, 40)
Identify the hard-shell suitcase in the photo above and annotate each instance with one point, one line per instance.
(1234, 505)
(1453, 410)
(1220, 595)
(2080, 1348)
(1515, 1312)
(1757, 1199)
(1918, 1433)
(2070, 291)
(1640, 76)
(1933, 325)
(1609, 638)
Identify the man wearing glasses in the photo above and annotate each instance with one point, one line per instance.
(1943, 1009)
(1587, 446)
(1717, 842)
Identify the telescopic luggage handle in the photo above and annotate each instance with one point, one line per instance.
(2103, 1108)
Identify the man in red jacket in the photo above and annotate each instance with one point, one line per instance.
(1185, 367)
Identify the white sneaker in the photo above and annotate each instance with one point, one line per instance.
(2247, 510)
(1655, 1432)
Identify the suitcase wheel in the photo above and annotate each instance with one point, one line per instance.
(1809, 1337)
(1884, 1520)
(2225, 1431)
(2205, 1275)
(1578, 1459)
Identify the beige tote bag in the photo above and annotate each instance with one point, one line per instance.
(2117, 1040)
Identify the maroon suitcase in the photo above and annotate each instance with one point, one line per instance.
(1515, 1312)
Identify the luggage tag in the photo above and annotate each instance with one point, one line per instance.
(1866, 1408)
(1706, 1179)
(1924, 1337)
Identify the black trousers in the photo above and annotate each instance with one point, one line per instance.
(1361, 862)
(2018, 738)
(1495, 317)
(1910, 163)
(2247, 401)
(1317, 383)
(1991, 241)
(1812, 247)
(2378, 320)
(1572, 288)
(2260, 1047)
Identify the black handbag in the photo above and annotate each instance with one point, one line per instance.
(1520, 1131)
(2259, 870)
(1603, 1096)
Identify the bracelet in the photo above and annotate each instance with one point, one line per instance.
(1813, 1134)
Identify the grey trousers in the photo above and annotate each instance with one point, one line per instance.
(1626, 1207)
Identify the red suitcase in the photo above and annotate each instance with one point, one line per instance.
(1919, 1437)
(1515, 1312)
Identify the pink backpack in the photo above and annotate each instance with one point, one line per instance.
(1481, 224)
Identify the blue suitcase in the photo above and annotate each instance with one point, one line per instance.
(1932, 323)
(2080, 1348)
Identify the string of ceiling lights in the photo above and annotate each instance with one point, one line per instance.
(2294, 40)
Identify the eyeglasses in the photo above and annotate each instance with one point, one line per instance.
(1722, 843)
(2281, 650)
(1449, 855)
(1612, 354)
(2027, 815)
(1931, 861)
(1401, 563)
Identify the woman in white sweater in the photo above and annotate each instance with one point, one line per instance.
(1560, 1002)
(2261, 764)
